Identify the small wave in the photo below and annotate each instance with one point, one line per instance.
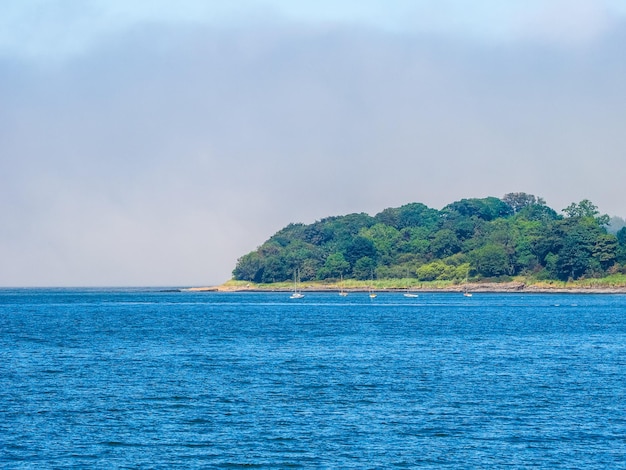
(199, 421)
(121, 444)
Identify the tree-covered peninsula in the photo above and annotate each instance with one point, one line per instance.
(476, 239)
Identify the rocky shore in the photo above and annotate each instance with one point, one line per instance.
(483, 287)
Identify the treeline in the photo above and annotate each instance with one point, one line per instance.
(517, 234)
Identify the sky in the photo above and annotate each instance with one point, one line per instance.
(152, 143)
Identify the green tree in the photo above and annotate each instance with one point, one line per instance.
(518, 201)
(275, 269)
(334, 267)
(551, 266)
(386, 241)
(620, 254)
(573, 259)
(360, 247)
(445, 243)
(490, 261)
(538, 213)
(605, 250)
(579, 237)
(488, 208)
(414, 240)
(586, 208)
(249, 268)
(409, 215)
(431, 271)
(364, 268)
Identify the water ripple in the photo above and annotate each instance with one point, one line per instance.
(147, 379)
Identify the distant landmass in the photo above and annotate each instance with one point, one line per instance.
(486, 239)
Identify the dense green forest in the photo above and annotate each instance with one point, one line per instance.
(488, 238)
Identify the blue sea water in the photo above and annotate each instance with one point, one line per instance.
(141, 378)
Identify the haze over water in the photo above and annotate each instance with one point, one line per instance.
(147, 379)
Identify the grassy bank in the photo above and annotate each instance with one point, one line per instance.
(609, 283)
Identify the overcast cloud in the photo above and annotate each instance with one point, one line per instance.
(141, 146)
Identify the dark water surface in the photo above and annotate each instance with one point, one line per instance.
(147, 379)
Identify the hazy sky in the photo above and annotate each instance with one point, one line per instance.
(154, 142)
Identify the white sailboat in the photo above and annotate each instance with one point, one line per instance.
(407, 292)
(371, 292)
(342, 291)
(465, 292)
(296, 293)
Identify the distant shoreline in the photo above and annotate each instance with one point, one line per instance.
(484, 287)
